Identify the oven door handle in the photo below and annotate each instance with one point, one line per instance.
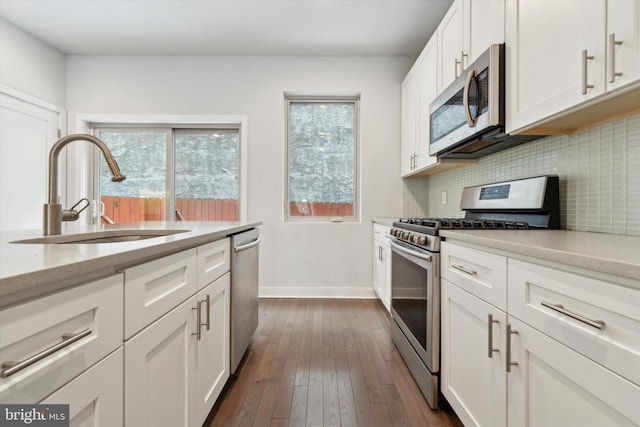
(410, 252)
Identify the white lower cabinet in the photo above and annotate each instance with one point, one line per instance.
(48, 341)
(382, 264)
(95, 397)
(574, 364)
(158, 371)
(213, 350)
(552, 385)
(474, 383)
(176, 368)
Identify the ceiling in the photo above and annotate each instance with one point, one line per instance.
(230, 27)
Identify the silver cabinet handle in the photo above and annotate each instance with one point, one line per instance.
(612, 58)
(464, 270)
(207, 301)
(598, 324)
(490, 323)
(585, 85)
(10, 367)
(198, 332)
(508, 351)
(455, 67)
(462, 56)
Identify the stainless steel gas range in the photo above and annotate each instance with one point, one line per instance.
(415, 263)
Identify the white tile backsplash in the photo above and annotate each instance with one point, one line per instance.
(599, 172)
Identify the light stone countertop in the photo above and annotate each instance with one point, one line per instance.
(614, 254)
(28, 270)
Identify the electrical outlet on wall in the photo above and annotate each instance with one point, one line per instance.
(444, 197)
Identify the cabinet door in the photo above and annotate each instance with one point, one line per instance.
(380, 272)
(428, 90)
(451, 44)
(544, 48)
(552, 385)
(95, 397)
(408, 125)
(158, 371)
(213, 351)
(473, 383)
(484, 26)
(623, 22)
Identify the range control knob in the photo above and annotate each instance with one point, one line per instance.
(422, 240)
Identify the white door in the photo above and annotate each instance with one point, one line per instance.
(158, 371)
(473, 383)
(553, 385)
(95, 397)
(545, 66)
(212, 361)
(379, 271)
(27, 131)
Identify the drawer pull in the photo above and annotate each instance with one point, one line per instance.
(10, 367)
(510, 363)
(208, 301)
(598, 324)
(464, 270)
(490, 323)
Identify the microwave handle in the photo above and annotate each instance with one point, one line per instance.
(465, 98)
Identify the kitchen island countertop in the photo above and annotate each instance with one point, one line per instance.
(614, 254)
(29, 270)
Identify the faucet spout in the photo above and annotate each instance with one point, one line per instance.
(53, 217)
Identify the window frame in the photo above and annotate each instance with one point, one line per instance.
(171, 129)
(295, 98)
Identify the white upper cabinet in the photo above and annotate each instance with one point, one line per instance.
(465, 32)
(561, 55)
(451, 43)
(623, 42)
(409, 116)
(427, 92)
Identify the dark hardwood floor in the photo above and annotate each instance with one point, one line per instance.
(324, 362)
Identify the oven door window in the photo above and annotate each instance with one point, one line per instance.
(409, 295)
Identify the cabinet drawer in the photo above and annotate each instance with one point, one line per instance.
(95, 397)
(481, 273)
(380, 232)
(573, 307)
(154, 288)
(214, 259)
(93, 312)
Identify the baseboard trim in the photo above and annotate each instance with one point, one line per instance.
(316, 292)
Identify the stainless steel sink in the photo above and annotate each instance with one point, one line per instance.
(107, 236)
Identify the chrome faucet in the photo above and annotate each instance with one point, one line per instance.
(53, 213)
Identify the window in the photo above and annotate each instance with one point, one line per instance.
(172, 174)
(322, 153)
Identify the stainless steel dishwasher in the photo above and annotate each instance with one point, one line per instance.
(244, 292)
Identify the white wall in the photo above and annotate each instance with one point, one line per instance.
(322, 259)
(31, 66)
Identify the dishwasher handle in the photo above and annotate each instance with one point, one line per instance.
(247, 246)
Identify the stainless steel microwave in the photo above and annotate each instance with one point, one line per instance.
(468, 118)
